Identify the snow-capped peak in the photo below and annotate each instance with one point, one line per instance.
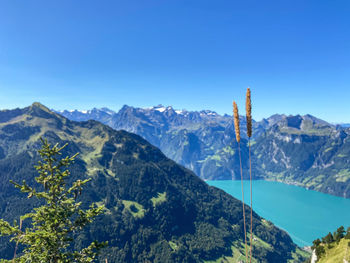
(160, 109)
(108, 111)
(208, 113)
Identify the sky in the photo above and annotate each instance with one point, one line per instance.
(190, 54)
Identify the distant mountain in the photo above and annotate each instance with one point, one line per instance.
(203, 141)
(156, 210)
(103, 114)
(306, 151)
(344, 125)
(303, 150)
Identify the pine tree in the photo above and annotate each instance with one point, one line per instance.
(328, 239)
(339, 234)
(347, 236)
(49, 237)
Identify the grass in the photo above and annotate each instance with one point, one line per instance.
(276, 176)
(299, 252)
(90, 140)
(337, 253)
(266, 223)
(252, 142)
(307, 129)
(134, 208)
(314, 181)
(173, 245)
(215, 157)
(343, 175)
(296, 255)
(328, 149)
(238, 251)
(258, 242)
(229, 150)
(237, 256)
(135, 155)
(161, 198)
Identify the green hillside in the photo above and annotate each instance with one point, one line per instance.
(301, 150)
(305, 151)
(156, 210)
(337, 253)
(333, 248)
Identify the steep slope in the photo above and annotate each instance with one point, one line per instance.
(333, 248)
(306, 151)
(102, 115)
(201, 141)
(298, 149)
(156, 210)
(336, 253)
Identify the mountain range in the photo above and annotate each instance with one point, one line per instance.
(155, 209)
(301, 150)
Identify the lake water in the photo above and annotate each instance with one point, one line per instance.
(306, 215)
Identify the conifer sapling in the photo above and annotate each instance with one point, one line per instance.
(49, 236)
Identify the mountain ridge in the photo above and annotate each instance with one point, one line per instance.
(156, 210)
(204, 142)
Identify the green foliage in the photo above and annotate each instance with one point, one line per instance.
(192, 215)
(332, 248)
(298, 149)
(134, 208)
(161, 197)
(316, 243)
(52, 225)
(338, 252)
(339, 234)
(320, 251)
(347, 236)
(328, 239)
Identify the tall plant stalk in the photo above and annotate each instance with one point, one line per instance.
(238, 138)
(248, 107)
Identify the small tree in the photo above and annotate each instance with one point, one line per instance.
(320, 251)
(50, 236)
(347, 236)
(328, 239)
(316, 243)
(339, 234)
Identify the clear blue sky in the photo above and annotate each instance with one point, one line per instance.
(295, 55)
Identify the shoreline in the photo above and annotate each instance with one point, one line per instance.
(287, 182)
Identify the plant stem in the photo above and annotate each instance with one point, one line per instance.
(251, 203)
(244, 225)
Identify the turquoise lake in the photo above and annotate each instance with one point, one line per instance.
(306, 215)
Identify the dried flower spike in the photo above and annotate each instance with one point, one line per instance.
(248, 108)
(236, 121)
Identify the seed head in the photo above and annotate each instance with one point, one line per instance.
(236, 121)
(248, 108)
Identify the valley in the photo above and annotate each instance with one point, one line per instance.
(155, 209)
(300, 150)
(305, 214)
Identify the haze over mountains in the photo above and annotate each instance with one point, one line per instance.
(156, 210)
(302, 150)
